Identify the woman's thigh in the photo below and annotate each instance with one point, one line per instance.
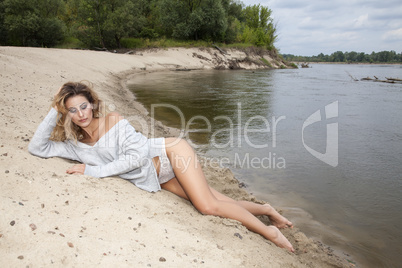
(189, 173)
(174, 186)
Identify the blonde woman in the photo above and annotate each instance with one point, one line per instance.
(108, 145)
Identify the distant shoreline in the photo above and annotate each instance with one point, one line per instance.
(345, 63)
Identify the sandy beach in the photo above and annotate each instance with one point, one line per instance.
(50, 218)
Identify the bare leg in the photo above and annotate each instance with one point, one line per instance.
(256, 209)
(193, 183)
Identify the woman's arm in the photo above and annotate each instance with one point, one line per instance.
(40, 144)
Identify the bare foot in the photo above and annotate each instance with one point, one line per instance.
(279, 239)
(277, 219)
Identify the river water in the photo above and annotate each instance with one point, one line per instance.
(324, 148)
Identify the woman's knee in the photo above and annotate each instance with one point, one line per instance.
(208, 209)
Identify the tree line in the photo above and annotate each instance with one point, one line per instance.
(350, 57)
(118, 23)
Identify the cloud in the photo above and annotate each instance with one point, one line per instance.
(362, 21)
(315, 26)
(388, 14)
(344, 37)
(375, 4)
(308, 23)
(289, 4)
(393, 35)
(325, 6)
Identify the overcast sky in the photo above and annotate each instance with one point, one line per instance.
(309, 27)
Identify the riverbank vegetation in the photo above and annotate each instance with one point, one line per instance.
(115, 24)
(350, 57)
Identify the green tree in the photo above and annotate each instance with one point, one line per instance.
(360, 57)
(193, 19)
(215, 23)
(235, 18)
(259, 26)
(125, 19)
(151, 11)
(171, 13)
(70, 15)
(92, 14)
(386, 56)
(105, 22)
(22, 21)
(33, 23)
(338, 56)
(351, 56)
(3, 29)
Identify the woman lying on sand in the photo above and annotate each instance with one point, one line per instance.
(108, 145)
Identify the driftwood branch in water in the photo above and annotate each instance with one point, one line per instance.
(394, 79)
(353, 78)
(388, 80)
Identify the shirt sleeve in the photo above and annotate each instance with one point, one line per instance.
(133, 154)
(40, 144)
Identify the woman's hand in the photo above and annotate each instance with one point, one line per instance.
(76, 169)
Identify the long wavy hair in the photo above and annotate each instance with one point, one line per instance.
(65, 129)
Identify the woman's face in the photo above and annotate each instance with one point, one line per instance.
(79, 110)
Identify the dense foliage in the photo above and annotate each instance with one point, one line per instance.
(113, 23)
(350, 57)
